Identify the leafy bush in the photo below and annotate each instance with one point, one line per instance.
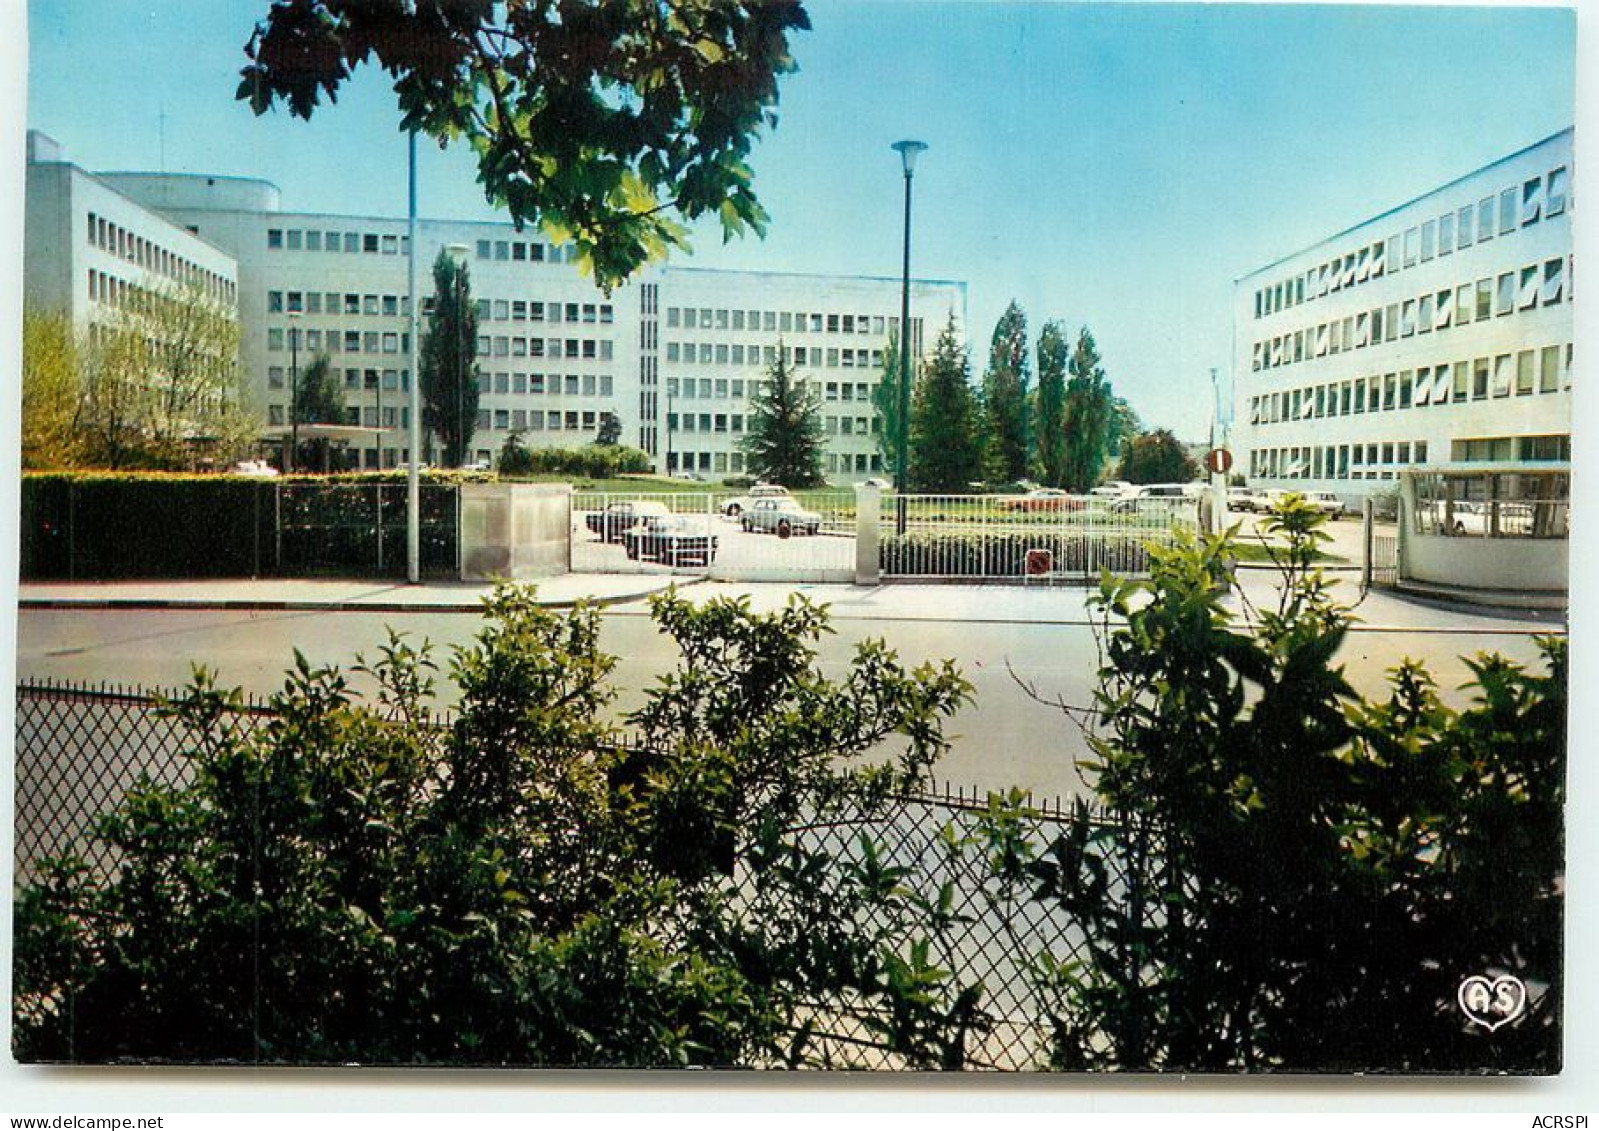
(352, 882)
(1309, 876)
(591, 461)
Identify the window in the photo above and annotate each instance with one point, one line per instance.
(1485, 219)
(1549, 370)
(275, 339)
(275, 240)
(1502, 375)
(1462, 380)
(1554, 279)
(1411, 243)
(483, 249)
(1463, 303)
(1446, 233)
(274, 302)
(1429, 240)
(1525, 365)
(1555, 194)
(1507, 293)
(1527, 291)
(1507, 211)
(1531, 201)
(1485, 299)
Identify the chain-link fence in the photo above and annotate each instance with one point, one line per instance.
(80, 748)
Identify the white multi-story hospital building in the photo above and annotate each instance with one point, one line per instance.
(1436, 333)
(675, 354)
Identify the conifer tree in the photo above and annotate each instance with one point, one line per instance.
(782, 440)
(1005, 399)
(946, 454)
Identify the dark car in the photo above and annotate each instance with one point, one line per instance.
(618, 518)
(670, 539)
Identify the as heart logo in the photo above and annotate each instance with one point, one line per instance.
(1492, 1003)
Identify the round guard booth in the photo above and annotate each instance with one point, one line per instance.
(1495, 530)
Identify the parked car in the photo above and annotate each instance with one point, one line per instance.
(1246, 499)
(671, 539)
(1041, 499)
(783, 516)
(1326, 502)
(618, 518)
(1115, 489)
(1152, 497)
(737, 505)
(255, 469)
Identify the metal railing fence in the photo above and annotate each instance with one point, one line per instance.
(1017, 537)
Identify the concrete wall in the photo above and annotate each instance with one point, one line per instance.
(1475, 562)
(515, 530)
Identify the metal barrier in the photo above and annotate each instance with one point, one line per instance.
(1021, 537)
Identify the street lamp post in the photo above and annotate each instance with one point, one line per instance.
(908, 151)
(458, 253)
(413, 478)
(294, 391)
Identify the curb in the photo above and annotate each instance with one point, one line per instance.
(201, 604)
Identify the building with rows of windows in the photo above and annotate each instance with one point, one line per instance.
(675, 355)
(1437, 333)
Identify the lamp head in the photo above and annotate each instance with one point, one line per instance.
(907, 153)
(457, 252)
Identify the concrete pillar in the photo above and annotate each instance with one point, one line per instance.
(1368, 513)
(515, 530)
(868, 534)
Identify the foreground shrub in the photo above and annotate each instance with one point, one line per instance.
(1301, 879)
(351, 882)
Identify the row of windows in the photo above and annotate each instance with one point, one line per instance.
(1338, 461)
(722, 353)
(349, 243)
(393, 380)
(337, 341)
(1504, 449)
(335, 302)
(111, 291)
(1506, 211)
(733, 462)
(525, 251)
(151, 256)
(552, 384)
(721, 388)
(536, 420)
(1523, 373)
(518, 310)
(768, 321)
(602, 349)
(1511, 291)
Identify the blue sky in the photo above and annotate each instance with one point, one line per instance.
(1114, 165)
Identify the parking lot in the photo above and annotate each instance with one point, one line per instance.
(749, 556)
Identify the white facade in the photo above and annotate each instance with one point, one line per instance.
(674, 354)
(1437, 333)
(719, 332)
(89, 252)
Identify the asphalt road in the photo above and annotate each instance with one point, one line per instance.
(1002, 638)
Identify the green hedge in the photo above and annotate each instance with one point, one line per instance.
(592, 461)
(1005, 555)
(97, 526)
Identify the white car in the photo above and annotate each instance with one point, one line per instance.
(736, 506)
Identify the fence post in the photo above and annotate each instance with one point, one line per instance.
(869, 533)
(377, 490)
(72, 530)
(1367, 541)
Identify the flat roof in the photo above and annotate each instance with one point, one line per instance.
(1400, 207)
